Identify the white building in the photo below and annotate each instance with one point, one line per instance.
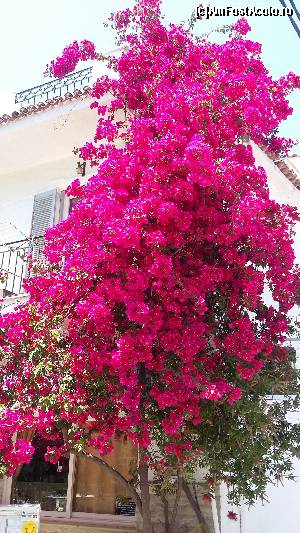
(37, 164)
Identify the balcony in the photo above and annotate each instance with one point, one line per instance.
(54, 87)
(14, 264)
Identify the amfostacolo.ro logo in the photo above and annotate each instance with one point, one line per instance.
(206, 12)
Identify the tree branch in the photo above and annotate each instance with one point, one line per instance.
(117, 475)
(176, 503)
(195, 506)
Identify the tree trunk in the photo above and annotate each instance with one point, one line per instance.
(166, 512)
(143, 467)
(170, 522)
(196, 507)
(176, 503)
(145, 497)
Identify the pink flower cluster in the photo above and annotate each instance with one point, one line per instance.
(13, 451)
(71, 56)
(242, 27)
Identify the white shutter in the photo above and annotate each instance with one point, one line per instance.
(46, 206)
(48, 209)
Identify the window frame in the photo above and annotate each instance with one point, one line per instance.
(73, 516)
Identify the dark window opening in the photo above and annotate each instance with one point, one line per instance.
(42, 482)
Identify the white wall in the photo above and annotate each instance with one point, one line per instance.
(36, 156)
(280, 515)
(281, 189)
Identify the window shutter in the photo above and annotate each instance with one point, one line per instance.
(47, 211)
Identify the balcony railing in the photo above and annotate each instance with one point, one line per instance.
(54, 87)
(14, 264)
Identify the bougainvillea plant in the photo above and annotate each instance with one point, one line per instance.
(147, 316)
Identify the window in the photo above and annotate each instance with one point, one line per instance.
(42, 482)
(49, 208)
(72, 202)
(75, 487)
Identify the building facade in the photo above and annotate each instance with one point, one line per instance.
(37, 140)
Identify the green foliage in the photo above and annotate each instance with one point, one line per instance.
(248, 444)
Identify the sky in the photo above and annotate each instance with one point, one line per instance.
(35, 31)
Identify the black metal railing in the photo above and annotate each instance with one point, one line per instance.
(55, 87)
(14, 264)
